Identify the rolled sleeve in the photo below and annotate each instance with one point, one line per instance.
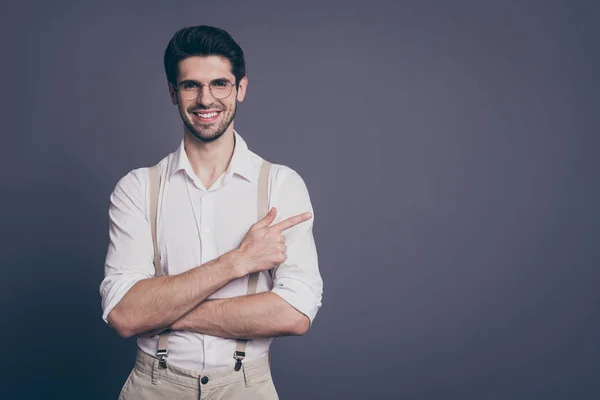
(298, 280)
(130, 253)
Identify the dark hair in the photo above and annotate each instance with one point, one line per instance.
(203, 40)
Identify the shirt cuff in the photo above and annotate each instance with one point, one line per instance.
(113, 292)
(304, 300)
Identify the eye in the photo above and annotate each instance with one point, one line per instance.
(187, 85)
(220, 84)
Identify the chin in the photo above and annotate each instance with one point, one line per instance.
(210, 137)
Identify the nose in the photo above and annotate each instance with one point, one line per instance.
(205, 97)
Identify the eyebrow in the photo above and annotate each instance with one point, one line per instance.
(200, 83)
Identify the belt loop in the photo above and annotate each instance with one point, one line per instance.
(155, 372)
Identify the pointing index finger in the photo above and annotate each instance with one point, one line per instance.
(291, 222)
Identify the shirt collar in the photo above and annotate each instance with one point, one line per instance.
(240, 161)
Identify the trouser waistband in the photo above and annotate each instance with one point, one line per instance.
(251, 370)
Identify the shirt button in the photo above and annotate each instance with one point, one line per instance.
(209, 346)
(206, 229)
(204, 380)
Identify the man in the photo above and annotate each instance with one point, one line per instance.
(209, 244)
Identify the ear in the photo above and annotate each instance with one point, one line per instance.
(173, 94)
(241, 92)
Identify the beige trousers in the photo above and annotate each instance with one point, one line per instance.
(147, 381)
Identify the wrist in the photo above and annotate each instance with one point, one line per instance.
(178, 325)
(234, 260)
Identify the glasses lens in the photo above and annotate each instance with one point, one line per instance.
(189, 91)
(220, 90)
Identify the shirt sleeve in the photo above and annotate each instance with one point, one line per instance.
(298, 280)
(129, 258)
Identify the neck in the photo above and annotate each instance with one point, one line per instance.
(209, 159)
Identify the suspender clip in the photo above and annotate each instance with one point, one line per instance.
(238, 356)
(162, 357)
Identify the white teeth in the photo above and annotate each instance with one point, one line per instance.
(209, 115)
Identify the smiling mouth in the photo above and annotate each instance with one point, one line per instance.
(207, 116)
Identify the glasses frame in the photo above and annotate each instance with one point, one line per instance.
(201, 86)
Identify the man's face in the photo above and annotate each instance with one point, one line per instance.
(207, 118)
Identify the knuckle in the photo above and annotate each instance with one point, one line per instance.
(280, 255)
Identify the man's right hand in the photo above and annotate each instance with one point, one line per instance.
(264, 247)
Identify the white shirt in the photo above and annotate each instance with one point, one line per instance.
(196, 225)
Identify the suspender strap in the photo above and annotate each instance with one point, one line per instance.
(262, 202)
(163, 350)
(154, 188)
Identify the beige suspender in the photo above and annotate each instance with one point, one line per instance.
(163, 340)
(262, 202)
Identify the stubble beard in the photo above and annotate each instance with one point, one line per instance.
(209, 134)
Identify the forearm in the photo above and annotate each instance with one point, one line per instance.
(245, 317)
(157, 302)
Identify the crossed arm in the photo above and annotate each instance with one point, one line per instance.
(183, 306)
(245, 317)
(179, 302)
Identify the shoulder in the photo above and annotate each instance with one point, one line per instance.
(286, 177)
(134, 180)
(281, 176)
(133, 186)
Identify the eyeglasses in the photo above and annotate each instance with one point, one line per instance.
(190, 90)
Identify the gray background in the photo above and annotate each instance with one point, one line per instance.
(450, 150)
